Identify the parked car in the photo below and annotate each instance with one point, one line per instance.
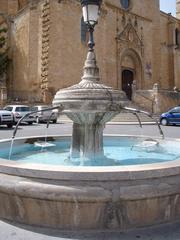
(19, 111)
(171, 117)
(44, 116)
(6, 118)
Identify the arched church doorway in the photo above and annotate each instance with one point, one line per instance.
(127, 81)
(130, 70)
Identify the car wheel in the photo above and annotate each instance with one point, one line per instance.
(30, 123)
(164, 122)
(55, 121)
(9, 125)
(37, 120)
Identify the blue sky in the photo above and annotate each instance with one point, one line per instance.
(168, 6)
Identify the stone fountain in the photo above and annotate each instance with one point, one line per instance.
(86, 197)
(89, 104)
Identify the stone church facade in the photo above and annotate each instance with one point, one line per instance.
(137, 48)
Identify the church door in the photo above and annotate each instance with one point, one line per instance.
(127, 81)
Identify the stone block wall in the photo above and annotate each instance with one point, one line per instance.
(4, 33)
(144, 99)
(157, 101)
(168, 99)
(26, 34)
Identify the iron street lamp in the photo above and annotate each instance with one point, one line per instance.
(91, 10)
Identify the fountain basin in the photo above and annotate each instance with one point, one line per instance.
(77, 198)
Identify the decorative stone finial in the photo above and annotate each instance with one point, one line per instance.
(91, 70)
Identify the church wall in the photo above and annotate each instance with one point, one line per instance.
(9, 7)
(147, 30)
(63, 53)
(66, 54)
(141, 8)
(26, 79)
(167, 58)
(147, 15)
(106, 44)
(21, 84)
(170, 53)
(177, 70)
(34, 54)
(12, 7)
(177, 59)
(156, 47)
(22, 3)
(4, 6)
(178, 9)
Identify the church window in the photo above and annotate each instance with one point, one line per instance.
(83, 31)
(125, 3)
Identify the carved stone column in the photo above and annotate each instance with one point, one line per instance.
(156, 107)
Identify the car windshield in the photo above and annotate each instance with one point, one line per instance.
(45, 107)
(34, 109)
(22, 109)
(8, 108)
(39, 108)
(175, 110)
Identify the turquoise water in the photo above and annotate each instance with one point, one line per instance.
(118, 151)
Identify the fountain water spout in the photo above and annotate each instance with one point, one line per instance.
(134, 110)
(31, 113)
(138, 118)
(60, 108)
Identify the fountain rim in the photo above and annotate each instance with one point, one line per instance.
(132, 172)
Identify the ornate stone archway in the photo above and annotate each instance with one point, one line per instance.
(130, 54)
(130, 60)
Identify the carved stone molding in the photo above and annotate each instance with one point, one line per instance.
(130, 37)
(45, 16)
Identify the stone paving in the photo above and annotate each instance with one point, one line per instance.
(22, 232)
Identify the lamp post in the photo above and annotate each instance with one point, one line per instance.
(91, 10)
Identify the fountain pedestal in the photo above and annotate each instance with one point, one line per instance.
(87, 141)
(89, 104)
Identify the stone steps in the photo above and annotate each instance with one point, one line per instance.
(129, 117)
(122, 117)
